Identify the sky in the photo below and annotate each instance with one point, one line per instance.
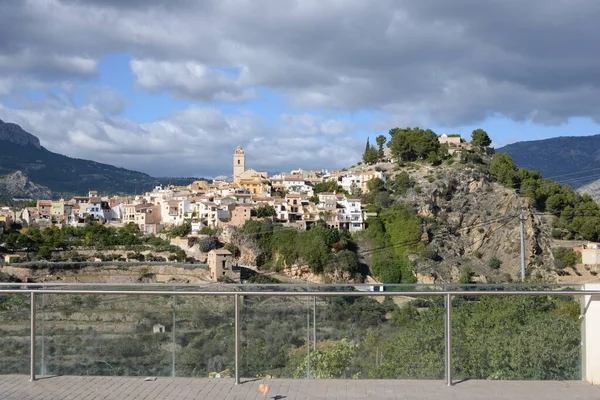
(170, 88)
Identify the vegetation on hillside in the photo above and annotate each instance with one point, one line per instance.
(323, 249)
(578, 216)
(494, 338)
(41, 243)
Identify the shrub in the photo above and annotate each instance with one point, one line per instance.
(207, 244)
(206, 230)
(233, 249)
(566, 257)
(494, 263)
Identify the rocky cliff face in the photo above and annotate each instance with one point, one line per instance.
(471, 227)
(250, 253)
(13, 133)
(18, 185)
(593, 189)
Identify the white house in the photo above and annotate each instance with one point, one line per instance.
(349, 215)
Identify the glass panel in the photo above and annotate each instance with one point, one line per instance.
(14, 333)
(516, 338)
(274, 336)
(204, 336)
(94, 334)
(380, 337)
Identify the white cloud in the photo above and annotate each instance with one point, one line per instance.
(314, 125)
(429, 62)
(190, 80)
(197, 141)
(107, 100)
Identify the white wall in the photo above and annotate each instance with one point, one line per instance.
(591, 336)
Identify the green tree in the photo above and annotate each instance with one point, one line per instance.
(504, 170)
(381, 139)
(480, 138)
(328, 186)
(344, 262)
(401, 183)
(332, 360)
(375, 185)
(44, 253)
(410, 144)
(266, 210)
(370, 155)
(207, 244)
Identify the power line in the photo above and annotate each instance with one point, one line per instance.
(572, 173)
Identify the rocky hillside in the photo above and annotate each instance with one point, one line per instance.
(21, 151)
(18, 185)
(471, 227)
(593, 189)
(13, 133)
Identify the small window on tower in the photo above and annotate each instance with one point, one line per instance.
(238, 161)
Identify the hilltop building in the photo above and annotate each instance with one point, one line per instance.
(239, 163)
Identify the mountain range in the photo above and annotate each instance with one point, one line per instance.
(27, 169)
(41, 171)
(572, 160)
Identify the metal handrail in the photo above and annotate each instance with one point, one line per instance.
(34, 288)
(299, 285)
(311, 294)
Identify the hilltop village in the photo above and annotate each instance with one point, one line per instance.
(405, 213)
(289, 199)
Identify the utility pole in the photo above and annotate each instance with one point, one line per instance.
(521, 221)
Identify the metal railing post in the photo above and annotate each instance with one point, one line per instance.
(237, 339)
(32, 339)
(449, 339)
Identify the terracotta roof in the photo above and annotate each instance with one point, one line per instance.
(221, 252)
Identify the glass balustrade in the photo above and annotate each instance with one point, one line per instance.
(368, 332)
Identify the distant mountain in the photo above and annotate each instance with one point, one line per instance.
(572, 160)
(21, 151)
(18, 185)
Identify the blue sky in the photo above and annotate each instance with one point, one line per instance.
(172, 91)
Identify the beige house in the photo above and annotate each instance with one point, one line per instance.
(44, 208)
(590, 253)
(12, 258)
(449, 139)
(146, 216)
(241, 214)
(6, 218)
(220, 264)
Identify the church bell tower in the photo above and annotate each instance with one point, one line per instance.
(239, 163)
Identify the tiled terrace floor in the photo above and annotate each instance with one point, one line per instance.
(18, 387)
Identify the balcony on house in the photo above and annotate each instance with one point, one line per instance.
(437, 334)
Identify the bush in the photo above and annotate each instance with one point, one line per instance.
(207, 244)
(233, 249)
(566, 257)
(206, 230)
(494, 263)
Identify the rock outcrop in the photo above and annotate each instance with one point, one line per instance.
(13, 133)
(18, 185)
